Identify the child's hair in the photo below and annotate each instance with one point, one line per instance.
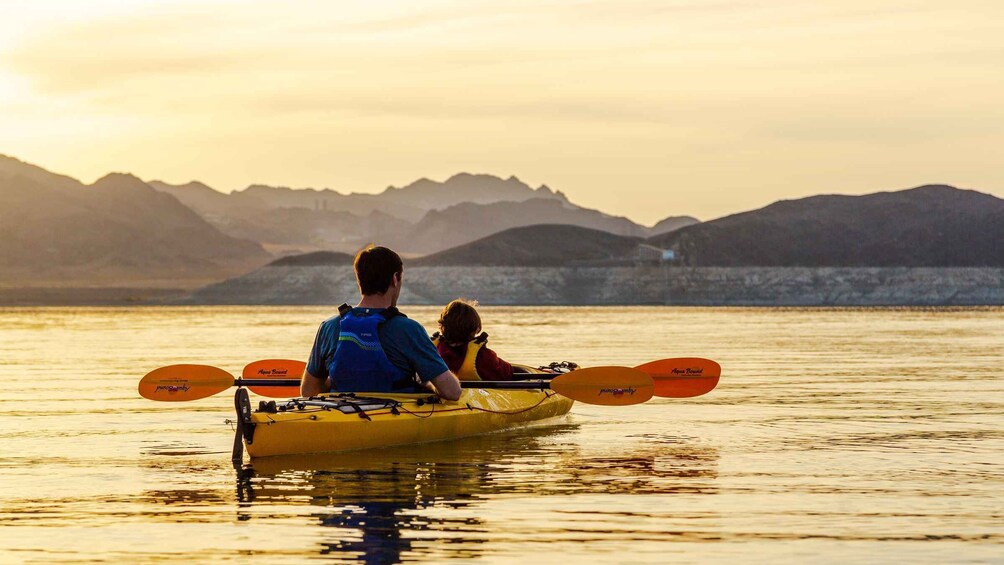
(459, 321)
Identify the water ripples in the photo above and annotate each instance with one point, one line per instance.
(837, 435)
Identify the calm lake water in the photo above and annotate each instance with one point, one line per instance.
(852, 435)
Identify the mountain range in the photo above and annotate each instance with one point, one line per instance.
(817, 250)
(122, 231)
(423, 217)
(927, 226)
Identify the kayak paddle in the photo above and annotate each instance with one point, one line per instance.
(679, 377)
(275, 369)
(605, 386)
(280, 368)
(683, 377)
(178, 383)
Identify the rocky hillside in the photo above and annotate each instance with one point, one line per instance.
(537, 246)
(118, 231)
(467, 222)
(932, 225)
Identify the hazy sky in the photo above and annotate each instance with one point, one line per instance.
(640, 108)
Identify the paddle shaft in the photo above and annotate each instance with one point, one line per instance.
(518, 385)
(680, 377)
(266, 382)
(605, 386)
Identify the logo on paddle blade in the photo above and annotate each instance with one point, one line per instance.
(273, 372)
(688, 371)
(172, 388)
(617, 391)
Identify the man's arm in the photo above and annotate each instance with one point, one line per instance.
(311, 385)
(411, 342)
(447, 385)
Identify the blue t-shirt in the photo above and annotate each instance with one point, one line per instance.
(404, 340)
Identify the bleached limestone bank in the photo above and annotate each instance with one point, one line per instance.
(694, 286)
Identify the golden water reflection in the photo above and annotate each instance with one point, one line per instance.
(376, 502)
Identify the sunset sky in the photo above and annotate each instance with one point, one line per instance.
(640, 108)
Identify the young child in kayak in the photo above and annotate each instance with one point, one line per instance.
(465, 351)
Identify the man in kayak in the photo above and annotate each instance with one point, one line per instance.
(373, 347)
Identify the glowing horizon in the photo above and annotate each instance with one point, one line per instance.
(638, 108)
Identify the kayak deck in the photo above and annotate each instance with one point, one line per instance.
(342, 422)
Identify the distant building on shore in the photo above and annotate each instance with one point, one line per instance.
(651, 254)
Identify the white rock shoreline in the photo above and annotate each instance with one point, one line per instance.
(637, 285)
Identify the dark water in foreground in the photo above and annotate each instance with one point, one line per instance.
(835, 435)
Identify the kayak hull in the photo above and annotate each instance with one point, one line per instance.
(316, 429)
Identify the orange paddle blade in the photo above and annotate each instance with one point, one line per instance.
(683, 377)
(178, 383)
(606, 386)
(275, 369)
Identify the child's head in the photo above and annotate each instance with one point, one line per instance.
(459, 321)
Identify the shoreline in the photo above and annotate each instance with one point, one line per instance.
(640, 285)
(86, 296)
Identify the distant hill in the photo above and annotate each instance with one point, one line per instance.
(239, 207)
(209, 202)
(933, 225)
(286, 229)
(302, 226)
(465, 187)
(326, 200)
(318, 259)
(118, 231)
(536, 246)
(672, 223)
(463, 223)
(11, 167)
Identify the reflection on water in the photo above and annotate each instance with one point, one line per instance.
(836, 435)
(376, 502)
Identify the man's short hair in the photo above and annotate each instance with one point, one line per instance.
(375, 269)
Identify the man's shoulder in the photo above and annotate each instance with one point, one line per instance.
(398, 326)
(330, 327)
(404, 324)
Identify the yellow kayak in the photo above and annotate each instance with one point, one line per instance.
(348, 421)
(342, 422)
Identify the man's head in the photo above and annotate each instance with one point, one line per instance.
(379, 271)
